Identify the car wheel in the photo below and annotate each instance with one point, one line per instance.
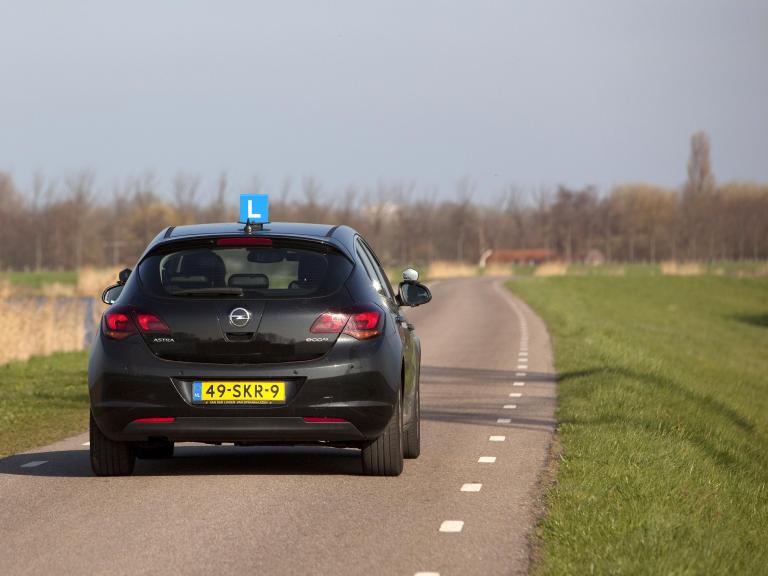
(412, 434)
(384, 456)
(110, 458)
(155, 451)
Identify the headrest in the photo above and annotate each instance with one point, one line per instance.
(204, 263)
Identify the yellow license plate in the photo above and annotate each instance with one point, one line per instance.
(228, 392)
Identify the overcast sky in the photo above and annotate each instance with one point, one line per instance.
(533, 93)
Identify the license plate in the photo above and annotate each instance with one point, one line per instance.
(228, 392)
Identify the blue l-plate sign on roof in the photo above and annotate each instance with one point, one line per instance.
(254, 208)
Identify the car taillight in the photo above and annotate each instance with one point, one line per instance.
(364, 325)
(118, 324)
(329, 323)
(360, 325)
(151, 323)
(244, 242)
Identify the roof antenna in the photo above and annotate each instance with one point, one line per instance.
(251, 227)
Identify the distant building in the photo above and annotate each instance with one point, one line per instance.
(523, 256)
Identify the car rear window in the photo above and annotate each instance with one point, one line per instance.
(277, 271)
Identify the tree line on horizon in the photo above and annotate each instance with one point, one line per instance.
(66, 225)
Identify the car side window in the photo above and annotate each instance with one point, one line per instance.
(381, 277)
(369, 270)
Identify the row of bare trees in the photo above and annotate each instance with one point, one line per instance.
(75, 223)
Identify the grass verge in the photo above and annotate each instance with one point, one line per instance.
(36, 280)
(663, 418)
(42, 400)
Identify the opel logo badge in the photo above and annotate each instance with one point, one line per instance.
(239, 317)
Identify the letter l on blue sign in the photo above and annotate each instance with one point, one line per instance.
(254, 208)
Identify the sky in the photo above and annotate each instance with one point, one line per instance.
(535, 93)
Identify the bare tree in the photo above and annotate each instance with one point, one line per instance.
(631, 222)
(185, 197)
(697, 197)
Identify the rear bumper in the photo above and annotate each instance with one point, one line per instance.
(356, 381)
(244, 429)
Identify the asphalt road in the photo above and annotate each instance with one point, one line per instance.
(214, 510)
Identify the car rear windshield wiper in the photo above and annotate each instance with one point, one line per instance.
(208, 292)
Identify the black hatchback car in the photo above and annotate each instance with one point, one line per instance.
(289, 334)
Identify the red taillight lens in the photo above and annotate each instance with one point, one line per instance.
(364, 325)
(361, 325)
(118, 325)
(155, 420)
(329, 323)
(324, 420)
(151, 323)
(244, 242)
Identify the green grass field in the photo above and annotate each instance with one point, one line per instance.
(36, 280)
(42, 400)
(663, 422)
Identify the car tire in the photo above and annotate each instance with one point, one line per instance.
(155, 452)
(384, 456)
(110, 458)
(412, 434)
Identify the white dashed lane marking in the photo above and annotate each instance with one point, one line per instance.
(86, 443)
(458, 525)
(33, 463)
(452, 526)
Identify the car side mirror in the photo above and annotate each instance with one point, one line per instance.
(123, 276)
(111, 294)
(413, 293)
